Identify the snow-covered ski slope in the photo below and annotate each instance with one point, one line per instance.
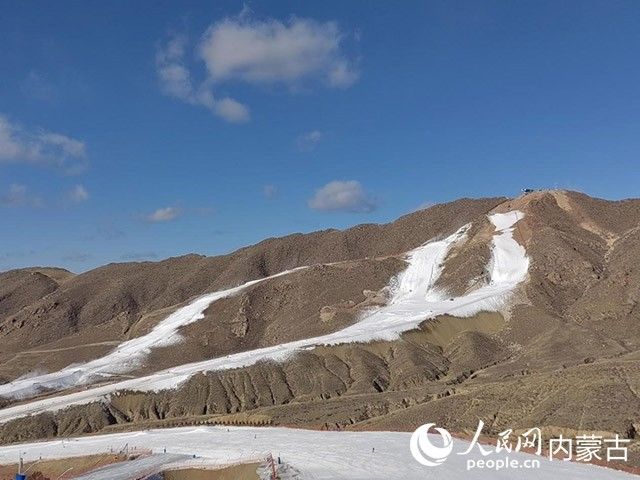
(316, 455)
(128, 355)
(413, 300)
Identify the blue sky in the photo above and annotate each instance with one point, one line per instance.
(141, 130)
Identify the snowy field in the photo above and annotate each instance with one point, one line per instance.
(316, 455)
(413, 300)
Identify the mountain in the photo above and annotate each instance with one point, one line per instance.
(117, 301)
(521, 312)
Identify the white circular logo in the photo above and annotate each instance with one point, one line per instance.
(424, 451)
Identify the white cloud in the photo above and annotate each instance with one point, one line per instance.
(270, 191)
(296, 53)
(18, 145)
(342, 75)
(78, 194)
(163, 215)
(175, 81)
(232, 111)
(271, 51)
(342, 196)
(19, 196)
(309, 141)
(68, 146)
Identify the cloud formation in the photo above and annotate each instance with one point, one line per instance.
(163, 215)
(175, 81)
(309, 141)
(40, 147)
(19, 196)
(270, 51)
(342, 196)
(232, 111)
(296, 53)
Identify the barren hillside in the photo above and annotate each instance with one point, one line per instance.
(554, 351)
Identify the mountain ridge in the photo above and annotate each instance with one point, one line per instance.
(576, 313)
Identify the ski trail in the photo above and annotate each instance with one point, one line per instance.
(414, 300)
(128, 355)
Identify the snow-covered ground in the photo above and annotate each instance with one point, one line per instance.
(316, 455)
(413, 300)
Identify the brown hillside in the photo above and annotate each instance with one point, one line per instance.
(560, 357)
(106, 304)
